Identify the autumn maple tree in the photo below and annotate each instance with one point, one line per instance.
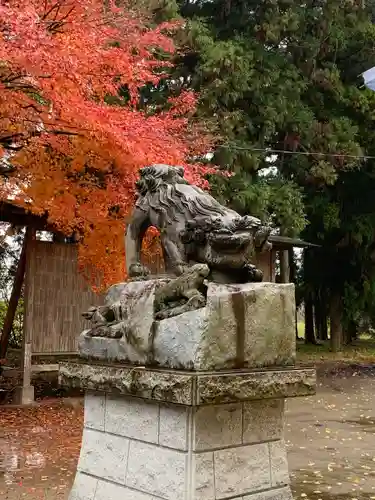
(70, 121)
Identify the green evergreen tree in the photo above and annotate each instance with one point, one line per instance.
(285, 75)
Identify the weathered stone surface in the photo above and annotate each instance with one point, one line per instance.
(94, 410)
(133, 418)
(177, 340)
(247, 386)
(269, 325)
(155, 470)
(241, 470)
(279, 464)
(219, 344)
(165, 386)
(204, 478)
(110, 491)
(84, 487)
(274, 494)
(104, 455)
(263, 420)
(217, 426)
(242, 326)
(191, 389)
(174, 426)
(135, 302)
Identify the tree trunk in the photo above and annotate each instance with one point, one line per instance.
(336, 323)
(309, 320)
(15, 295)
(320, 310)
(324, 320)
(318, 316)
(350, 333)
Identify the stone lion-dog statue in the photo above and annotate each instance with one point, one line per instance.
(201, 240)
(194, 228)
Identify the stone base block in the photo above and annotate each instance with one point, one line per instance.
(133, 449)
(250, 325)
(24, 395)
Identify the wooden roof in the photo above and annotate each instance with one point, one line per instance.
(284, 242)
(20, 217)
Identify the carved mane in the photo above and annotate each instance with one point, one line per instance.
(164, 189)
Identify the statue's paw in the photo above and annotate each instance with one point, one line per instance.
(90, 313)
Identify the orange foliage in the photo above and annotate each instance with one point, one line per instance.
(79, 156)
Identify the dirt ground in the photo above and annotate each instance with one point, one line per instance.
(330, 439)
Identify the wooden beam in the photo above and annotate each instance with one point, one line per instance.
(18, 216)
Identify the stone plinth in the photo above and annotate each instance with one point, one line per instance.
(242, 326)
(172, 435)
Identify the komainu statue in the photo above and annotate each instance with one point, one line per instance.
(201, 240)
(194, 228)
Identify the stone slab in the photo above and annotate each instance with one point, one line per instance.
(249, 325)
(109, 491)
(279, 463)
(274, 494)
(94, 411)
(84, 487)
(263, 420)
(189, 388)
(104, 455)
(174, 426)
(241, 470)
(156, 470)
(254, 385)
(132, 418)
(217, 426)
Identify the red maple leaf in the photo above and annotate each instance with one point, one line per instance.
(78, 156)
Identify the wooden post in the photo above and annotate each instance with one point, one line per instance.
(15, 295)
(284, 266)
(24, 394)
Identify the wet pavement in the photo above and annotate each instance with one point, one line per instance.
(330, 439)
(39, 449)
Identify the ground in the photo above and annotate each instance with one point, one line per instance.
(330, 439)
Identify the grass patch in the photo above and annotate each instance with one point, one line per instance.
(361, 352)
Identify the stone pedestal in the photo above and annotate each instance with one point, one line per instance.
(174, 435)
(198, 411)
